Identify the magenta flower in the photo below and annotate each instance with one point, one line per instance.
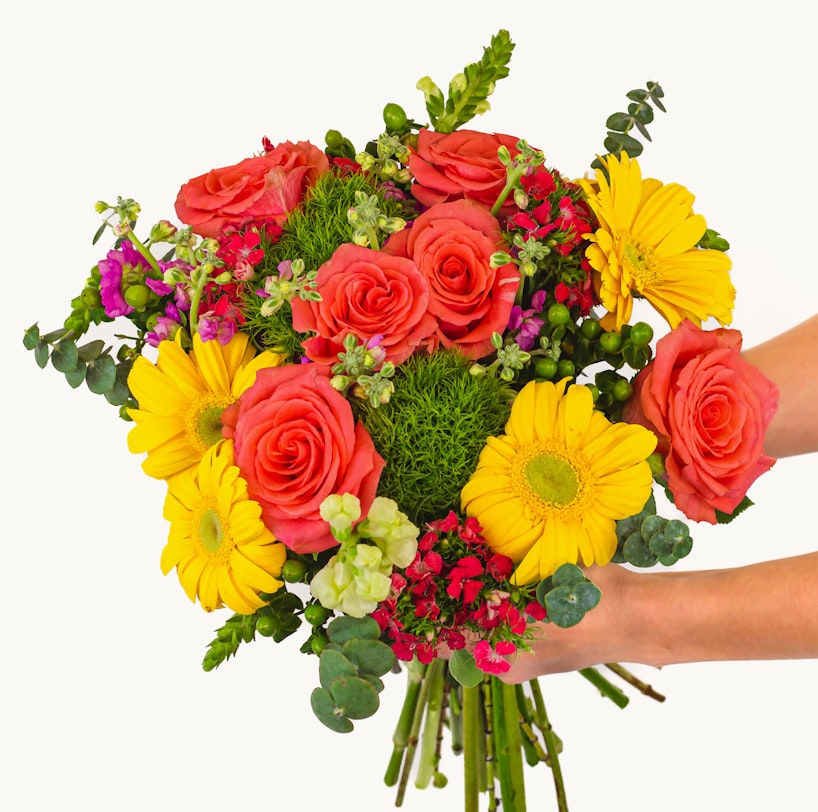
(118, 271)
(493, 660)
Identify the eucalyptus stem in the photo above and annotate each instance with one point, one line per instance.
(606, 688)
(400, 738)
(435, 677)
(551, 744)
(643, 687)
(411, 744)
(472, 730)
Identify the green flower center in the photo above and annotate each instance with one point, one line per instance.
(639, 262)
(203, 422)
(553, 479)
(211, 530)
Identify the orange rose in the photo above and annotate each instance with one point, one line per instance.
(296, 442)
(450, 166)
(452, 244)
(257, 190)
(367, 293)
(710, 410)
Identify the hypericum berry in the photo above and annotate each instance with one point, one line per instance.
(268, 625)
(545, 368)
(590, 329)
(318, 640)
(394, 117)
(293, 571)
(621, 390)
(137, 295)
(641, 334)
(610, 342)
(566, 368)
(315, 614)
(559, 314)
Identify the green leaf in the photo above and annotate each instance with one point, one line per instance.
(345, 628)
(563, 608)
(324, 708)
(620, 122)
(100, 231)
(568, 575)
(101, 375)
(463, 668)
(332, 665)
(637, 552)
(41, 353)
(65, 356)
(616, 142)
(31, 337)
(651, 525)
(91, 351)
(57, 335)
(354, 697)
(77, 375)
(369, 656)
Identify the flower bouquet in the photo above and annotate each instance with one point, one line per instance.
(400, 399)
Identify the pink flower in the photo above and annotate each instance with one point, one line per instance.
(492, 660)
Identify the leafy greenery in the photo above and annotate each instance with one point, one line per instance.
(468, 91)
(639, 115)
(567, 595)
(432, 430)
(349, 669)
(646, 539)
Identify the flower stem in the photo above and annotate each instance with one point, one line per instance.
(412, 741)
(435, 677)
(400, 738)
(605, 688)
(485, 689)
(472, 730)
(643, 687)
(149, 257)
(512, 176)
(551, 744)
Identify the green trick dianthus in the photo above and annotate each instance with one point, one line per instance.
(432, 430)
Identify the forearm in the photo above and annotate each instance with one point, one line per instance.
(757, 612)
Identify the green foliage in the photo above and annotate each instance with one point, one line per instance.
(712, 239)
(432, 430)
(89, 362)
(463, 667)
(349, 670)
(278, 619)
(639, 115)
(468, 91)
(567, 595)
(311, 233)
(646, 539)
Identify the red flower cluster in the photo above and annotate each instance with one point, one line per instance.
(456, 591)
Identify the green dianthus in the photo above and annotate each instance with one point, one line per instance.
(432, 430)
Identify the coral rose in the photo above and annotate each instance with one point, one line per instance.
(296, 442)
(258, 190)
(710, 410)
(452, 245)
(367, 293)
(451, 166)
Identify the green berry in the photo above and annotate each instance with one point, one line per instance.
(318, 641)
(566, 368)
(610, 342)
(641, 334)
(590, 329)
(394, 117)
(594, 391)
(315, 614)
(559, 314)
(268, 625)
(293, 571)
(91, 298)
(621, 390)
(137, 296)
(545, 368)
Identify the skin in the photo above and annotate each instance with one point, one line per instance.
(665, 618)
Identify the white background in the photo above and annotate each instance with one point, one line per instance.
(104, 704)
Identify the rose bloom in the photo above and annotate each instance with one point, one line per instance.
(296, 442)
(262, 189)
(452, 244)
(367, 293)
(710, 410)
(450, 166)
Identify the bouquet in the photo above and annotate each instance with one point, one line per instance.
(401, 400)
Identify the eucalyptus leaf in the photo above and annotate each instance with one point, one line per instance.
(568, 575)
(369, 656)
(31, 337)
(57, 335)
(92, 350)
(463, 668)
(101, 375)
(636, 552)
(563, 608)
(77, 375)
(345, 628)
(354, 697)
(332, 665)
(324, 708)
(41, 354)
(65, 356)
(651, 525)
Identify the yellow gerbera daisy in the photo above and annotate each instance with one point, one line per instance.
(223, 553)
(646, 246)
(181, 398)
(550, 490)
